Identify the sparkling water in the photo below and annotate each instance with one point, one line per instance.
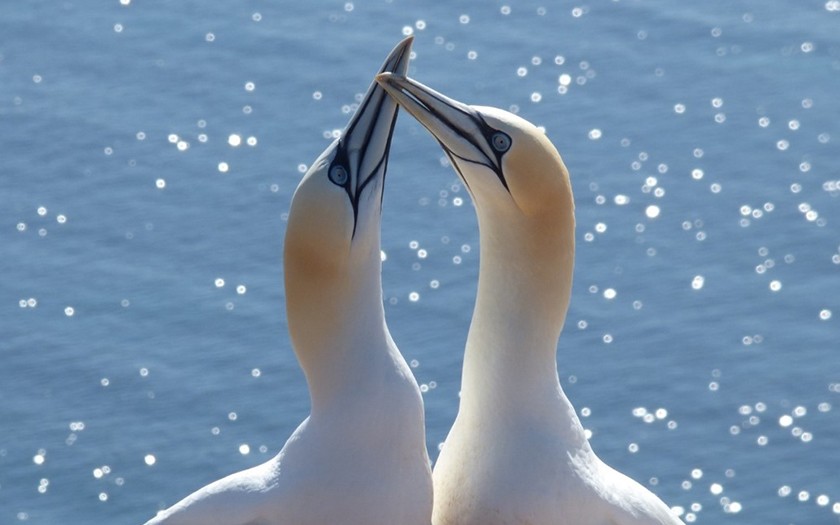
(149, 151)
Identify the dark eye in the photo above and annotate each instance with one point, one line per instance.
(338, 175)
(500, 141)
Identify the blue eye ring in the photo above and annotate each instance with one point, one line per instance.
(500, 141)
(338, 175)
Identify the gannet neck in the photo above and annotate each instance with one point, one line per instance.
(338, 329)
(520, 307)
(527, 264)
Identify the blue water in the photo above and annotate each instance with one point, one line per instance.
(142, 324)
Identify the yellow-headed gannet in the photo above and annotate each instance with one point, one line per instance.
(517, 452)
(360, 457)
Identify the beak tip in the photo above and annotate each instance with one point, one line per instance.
(384, 79)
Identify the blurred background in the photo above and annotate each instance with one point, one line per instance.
(149, 152)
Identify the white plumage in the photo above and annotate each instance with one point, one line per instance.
(360, 457)
(517, 453)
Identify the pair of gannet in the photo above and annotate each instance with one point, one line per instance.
(360, 457)
(517, 453)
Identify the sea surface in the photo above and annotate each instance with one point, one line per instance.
(149, 151)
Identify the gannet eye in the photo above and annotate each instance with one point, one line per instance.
(500, 141)
(338, 175)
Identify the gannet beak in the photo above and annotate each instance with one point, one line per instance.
(461, 130)
(366, 140)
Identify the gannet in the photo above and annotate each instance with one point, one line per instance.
(360, 457)
(517, 453)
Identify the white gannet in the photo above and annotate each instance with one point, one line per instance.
(517, 453)
(360, 457)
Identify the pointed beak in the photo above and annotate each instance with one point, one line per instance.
(366, 140)
(460, 130)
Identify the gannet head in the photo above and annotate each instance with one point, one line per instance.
(521, 190)
(332, 239)
(506, 162)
